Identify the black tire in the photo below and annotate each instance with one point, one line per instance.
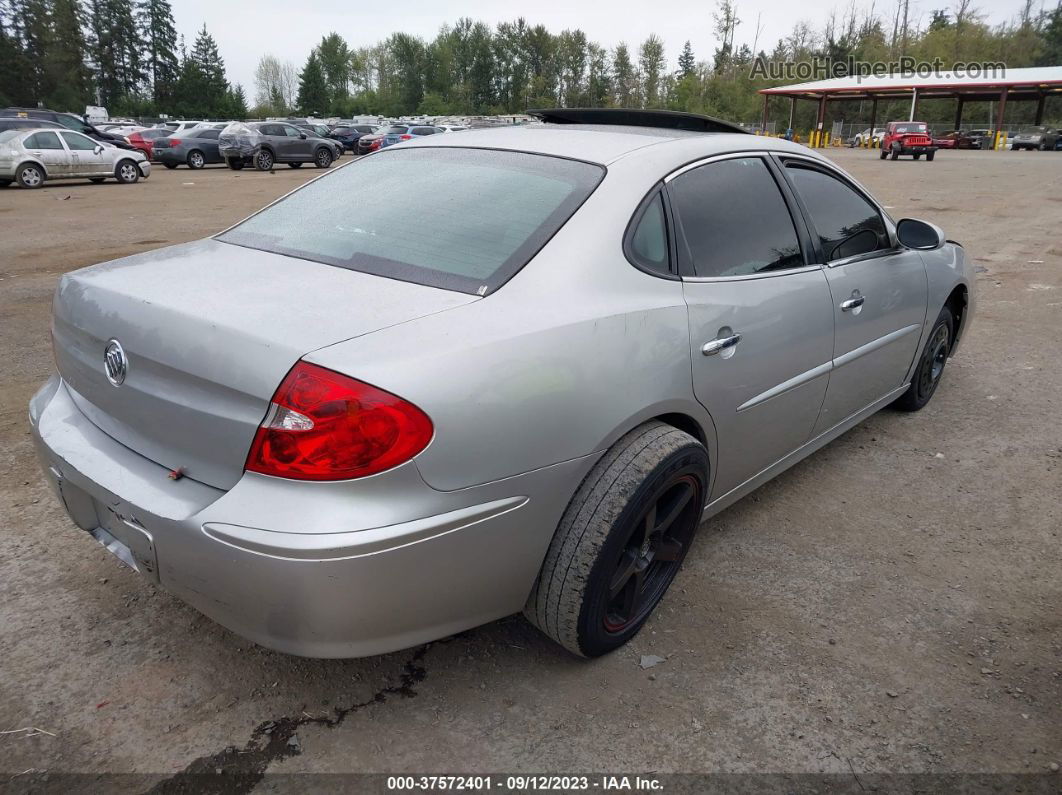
(323, 157)
(895, 154)
(884, 154)
(127, 172)
(96, 180)
(30, 175)
(196, 159)
(170, 166)
(930, 367)
(294, 165)
(263, 160)
(4, 183)
(235, 165)
(603, 575)
(919, 157)
(930, 156)
(1042, 147)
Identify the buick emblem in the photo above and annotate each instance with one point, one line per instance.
(115, 363)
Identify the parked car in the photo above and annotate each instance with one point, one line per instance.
(348, 135)
(265, 143)
(397, 133)
(357, 437)
(14, 123)
(370, 142)
(1041, 138)
(180, 126)
(861, 139)
(451, 127)
(68, 120)
(194, 147)
(145, 139)
(977, 139)
(948, 140)
(907, 138)
(32, 157)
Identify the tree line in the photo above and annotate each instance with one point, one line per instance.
(122, 54)
(127, 55)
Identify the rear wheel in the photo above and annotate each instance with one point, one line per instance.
(621, 540)
(931, 364)
(30, 175)
(322, 158)
(263, 160)
(127, 172)
(196, 159)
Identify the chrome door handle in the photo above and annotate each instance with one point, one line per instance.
(720, 344)
(852, 303)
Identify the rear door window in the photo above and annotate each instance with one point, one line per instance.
(733, 220)
(501, 208)
(43, 140)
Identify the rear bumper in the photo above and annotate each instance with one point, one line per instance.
(316, 569)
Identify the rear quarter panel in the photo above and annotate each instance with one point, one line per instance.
(572, 352)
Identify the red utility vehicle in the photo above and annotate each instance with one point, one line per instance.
(907, 138)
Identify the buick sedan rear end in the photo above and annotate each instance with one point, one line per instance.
(344, 436)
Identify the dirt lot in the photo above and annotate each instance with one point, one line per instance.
(892, 604)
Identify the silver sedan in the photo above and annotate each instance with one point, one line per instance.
(32, 157)
(521, 387)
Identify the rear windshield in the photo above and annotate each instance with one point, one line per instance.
(501, 208)
(396, 129)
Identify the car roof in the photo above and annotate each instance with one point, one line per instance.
(603, 143)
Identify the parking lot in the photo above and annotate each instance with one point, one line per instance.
(889, 605)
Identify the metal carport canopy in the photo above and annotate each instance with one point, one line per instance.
(1032, 80)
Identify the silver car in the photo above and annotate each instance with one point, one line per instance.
(341, 436)
(32, 157)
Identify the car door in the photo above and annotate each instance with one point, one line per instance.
(46, 147)
(273, 136)
(760, 316)
(879, 290)
(299, 146)
(87, 161)
(206, 141)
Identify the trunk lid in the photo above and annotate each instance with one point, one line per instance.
(209, 330)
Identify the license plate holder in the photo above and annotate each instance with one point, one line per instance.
(127, 540)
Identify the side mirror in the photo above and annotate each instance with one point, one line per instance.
(302, 136)
(98, 149)
(920, 235)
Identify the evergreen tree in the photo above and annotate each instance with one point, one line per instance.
(687, 63)
(15, 68)
(36, 27)
(159, 35)
(237, 103)
(69, 75)
(624, 78)
(313, 90)
(334, 56)
(115, 47)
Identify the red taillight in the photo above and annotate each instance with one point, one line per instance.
(404, 137)
(326, 426)
(173, 142)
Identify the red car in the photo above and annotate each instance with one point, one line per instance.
(907, 138)
(145, 139)
(947, 141)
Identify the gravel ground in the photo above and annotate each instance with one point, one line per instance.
(890, 605)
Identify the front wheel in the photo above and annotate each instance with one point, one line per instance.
(323, 158)
(884, 154)
(930, 155)
(621, 540)
(931, 364)
(127, 172)
(895, 153)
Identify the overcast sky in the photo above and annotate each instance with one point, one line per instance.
(290, 28)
